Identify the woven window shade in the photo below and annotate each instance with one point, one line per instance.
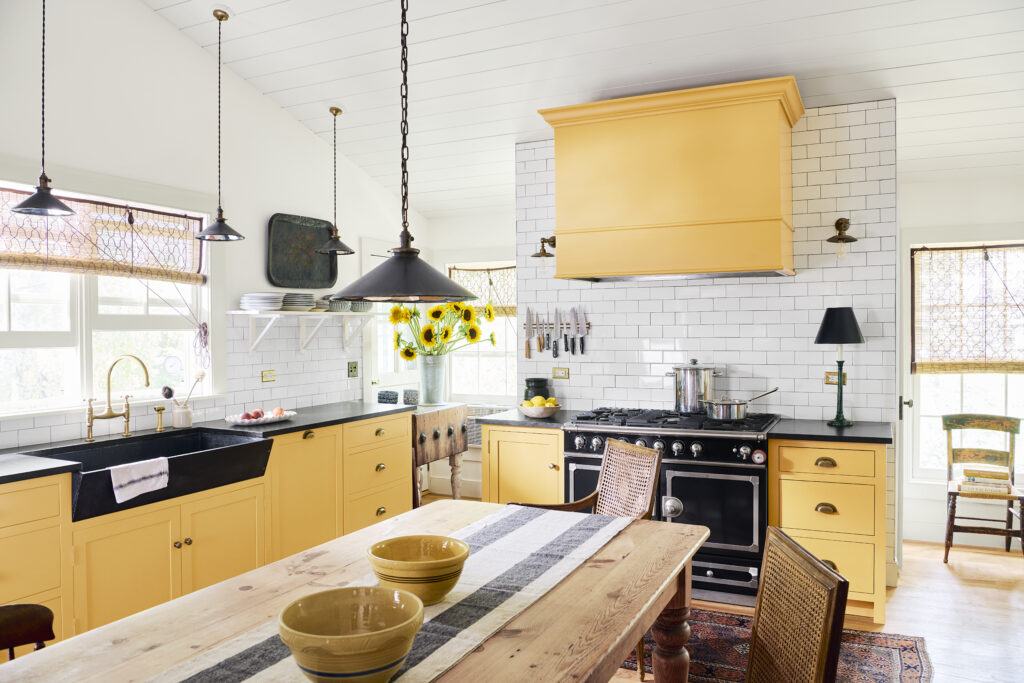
(967, 316)
(102, 239)
(497, 285)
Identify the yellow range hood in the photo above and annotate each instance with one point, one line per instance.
(685, 184)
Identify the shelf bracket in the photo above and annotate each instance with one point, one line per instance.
(257, 338)
(353, 330)
(307, 336)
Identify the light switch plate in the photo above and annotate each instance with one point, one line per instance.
(560, 373)
(833, 378)
(353, 368)
(267, 376)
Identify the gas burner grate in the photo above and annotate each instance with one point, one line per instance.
(670, 419)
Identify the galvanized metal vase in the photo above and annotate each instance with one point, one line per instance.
(432, 376)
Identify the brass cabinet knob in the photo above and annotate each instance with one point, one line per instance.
(308, 434)
(380, 432)
(830, 564)
(826, 508)
(381, 511)
(177, 544)
(825, 462)
(188, 541)
(552, 466)
(380, 467)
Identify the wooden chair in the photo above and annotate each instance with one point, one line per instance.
(981, 456)
(626, 487)
(798, 620)
(24, 624)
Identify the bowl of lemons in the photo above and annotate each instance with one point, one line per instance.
(539, 407)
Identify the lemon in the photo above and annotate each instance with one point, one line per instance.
(527, 404)
(538, 401)
(551, 402)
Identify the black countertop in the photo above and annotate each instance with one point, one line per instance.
(17, 464)
(514, 418)
(818, 430)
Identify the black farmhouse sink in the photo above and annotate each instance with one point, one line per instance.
(198, 460)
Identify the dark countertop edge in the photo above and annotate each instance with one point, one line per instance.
(17, 467)
(819, 430)
(514, 418)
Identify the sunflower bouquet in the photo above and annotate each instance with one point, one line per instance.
(440, 330)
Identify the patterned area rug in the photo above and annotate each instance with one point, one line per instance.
(719, 641)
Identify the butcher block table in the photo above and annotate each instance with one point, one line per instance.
(581, 630)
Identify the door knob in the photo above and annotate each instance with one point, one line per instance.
(177, 544)
(909, 403)
(551, 466)
(188, 541)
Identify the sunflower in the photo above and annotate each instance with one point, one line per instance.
(494, 342)
(398, 340)
(436, 312)
(455, 306)
(489, 312)
(446, 334)
(472, 334)
(427, 336)
(408, 353)
(468, 315)
(399, 314)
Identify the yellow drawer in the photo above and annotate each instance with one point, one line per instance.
(827, 506)
(826, 461)
(380, 505)
(29, 504)
(371, 432)
(29, 563)
(855, 561)
(378, 467)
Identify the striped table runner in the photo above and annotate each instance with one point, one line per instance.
(517, 555)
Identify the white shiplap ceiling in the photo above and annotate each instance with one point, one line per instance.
(480, 70)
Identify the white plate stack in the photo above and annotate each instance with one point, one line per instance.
(261, 301)
(297, 301)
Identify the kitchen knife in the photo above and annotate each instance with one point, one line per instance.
(583, 328)
(557, 329)
(574, 329)
(538, 327)
(564, 331)
(529, 330)
(547, 334)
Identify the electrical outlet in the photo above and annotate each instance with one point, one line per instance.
(353, 368)
(267, 376)
(560, 373)
(833, 378)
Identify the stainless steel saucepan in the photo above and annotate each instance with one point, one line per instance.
(730, 408)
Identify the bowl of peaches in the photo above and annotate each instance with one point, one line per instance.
(257, 416)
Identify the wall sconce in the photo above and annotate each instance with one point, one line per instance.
(544, 243)
(841, 238)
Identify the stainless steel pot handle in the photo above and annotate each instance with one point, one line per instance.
(770, 391)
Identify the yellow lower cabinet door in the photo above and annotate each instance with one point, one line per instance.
(525, 467)
(222, 537)
(125, 566)
(377, 506)
(29, 561)
(304, 506)
(855, 561)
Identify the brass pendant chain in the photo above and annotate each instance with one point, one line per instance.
(42, 153)
(334, 224)
(406, 236)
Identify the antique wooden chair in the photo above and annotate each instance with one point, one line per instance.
(23, 625)
(798, 620)
(981, 456)
(626, 487)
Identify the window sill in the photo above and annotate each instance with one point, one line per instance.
(99, 404)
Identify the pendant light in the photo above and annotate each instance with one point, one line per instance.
(404, 276)
(219, 230)
(42, 202)
(335, 245)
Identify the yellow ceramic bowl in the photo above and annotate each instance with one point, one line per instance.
(428, 566)
(359, 634)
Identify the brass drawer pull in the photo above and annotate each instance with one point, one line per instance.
(827, 508)
(177, 544)
(380, 467)
(830, 564)
(381, 511)
(380, 432)
(188, 541)
(825, 462)
(551, 466)
(308, 434)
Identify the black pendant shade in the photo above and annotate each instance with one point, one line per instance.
(219, 231)
(43, 203)
(335, 246)
(405, 277)
(839, 326)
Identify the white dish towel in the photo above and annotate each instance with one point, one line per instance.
(137, 478)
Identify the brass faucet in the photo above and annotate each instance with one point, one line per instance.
(110, 412)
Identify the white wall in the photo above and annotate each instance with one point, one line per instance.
(131, 106)
(471, 238)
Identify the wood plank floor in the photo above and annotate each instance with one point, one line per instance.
(970, 612)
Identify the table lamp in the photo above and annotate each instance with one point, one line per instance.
(839, 326)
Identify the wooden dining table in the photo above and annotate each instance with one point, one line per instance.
(580, 630)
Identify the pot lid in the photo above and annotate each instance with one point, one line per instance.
(693, 365)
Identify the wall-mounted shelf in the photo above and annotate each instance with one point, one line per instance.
(354, 324)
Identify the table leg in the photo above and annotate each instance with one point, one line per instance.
(417, 485)
(455, 462)
(670, 631)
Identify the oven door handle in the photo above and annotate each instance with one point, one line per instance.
(671, 507)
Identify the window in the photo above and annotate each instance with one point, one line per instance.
(483, 373)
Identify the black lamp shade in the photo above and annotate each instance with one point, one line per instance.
(220, 231)
(404, 277)
(335, 246)
(43, 203)
(839, 326)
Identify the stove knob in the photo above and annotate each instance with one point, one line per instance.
(758, 457)
(596, 443)
(710, 574)
(659, 445)
(641, 442)
(696, 448)
(677, 447)
(580, 442)
(744, 452)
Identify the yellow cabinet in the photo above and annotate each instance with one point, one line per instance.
(522, 465)
(222, 537)
(305, 478)
(377, 470)
(830, 497)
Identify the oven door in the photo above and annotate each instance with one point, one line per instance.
(730, 500)
(581, 474)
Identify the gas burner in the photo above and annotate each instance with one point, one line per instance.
(670, 421)
(753, 422)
